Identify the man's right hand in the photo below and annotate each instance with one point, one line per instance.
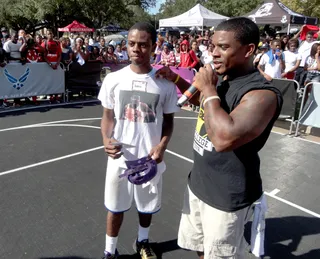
(112, 150)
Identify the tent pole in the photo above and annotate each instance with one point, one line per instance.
(288, 32)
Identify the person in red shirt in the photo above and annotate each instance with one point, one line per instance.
(52, 51)
(52, 56)
(188, 58)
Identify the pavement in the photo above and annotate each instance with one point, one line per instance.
(52, 187)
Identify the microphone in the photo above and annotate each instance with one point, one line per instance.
(187, 95)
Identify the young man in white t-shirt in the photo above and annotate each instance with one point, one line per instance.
(272, 61)
(138, 113)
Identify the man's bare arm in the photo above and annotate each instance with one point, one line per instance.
(107, 124)
(250, 118)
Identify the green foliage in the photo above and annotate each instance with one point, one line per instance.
(36, 14)
(305, 7)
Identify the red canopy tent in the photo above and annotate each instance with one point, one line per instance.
(76, 27)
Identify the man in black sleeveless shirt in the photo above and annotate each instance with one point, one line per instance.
(236, 116)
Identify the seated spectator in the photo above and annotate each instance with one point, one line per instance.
(66, 51)
(292, 59)
(312, 65)
(188, 59)
(167, 56)
(109, 55)
(272, 61)
(12, 48)
(122, 55)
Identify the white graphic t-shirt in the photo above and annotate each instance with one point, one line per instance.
(139, 102)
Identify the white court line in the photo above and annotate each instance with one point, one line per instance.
(274, 192)
(293, 205)
(66, 125)
(93, 149)
(50, 161)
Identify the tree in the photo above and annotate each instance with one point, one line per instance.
(36, 14)
(306, 7)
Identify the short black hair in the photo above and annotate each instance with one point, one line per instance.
(147, 27)
(311, 33)
(245, 30)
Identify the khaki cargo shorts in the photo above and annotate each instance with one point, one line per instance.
(217, 233)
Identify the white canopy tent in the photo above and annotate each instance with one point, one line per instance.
(196, 16)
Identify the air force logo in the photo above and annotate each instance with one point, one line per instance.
(17, 83)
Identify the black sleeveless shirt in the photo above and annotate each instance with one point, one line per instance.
(230, 181)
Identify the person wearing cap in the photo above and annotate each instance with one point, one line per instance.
(4, 33)
(262, 49)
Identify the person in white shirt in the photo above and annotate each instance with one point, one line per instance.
(137, 121)
(292, 59)
(262, 50)
(12, 48)
(312, 65)
(206, 57)
(272, 61)
(121, 54)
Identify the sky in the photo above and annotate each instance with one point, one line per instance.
(156, 9)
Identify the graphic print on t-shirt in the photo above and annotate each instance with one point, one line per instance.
(138, 106)
(201, 140)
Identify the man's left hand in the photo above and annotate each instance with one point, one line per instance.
(157, 153)
(206, 80)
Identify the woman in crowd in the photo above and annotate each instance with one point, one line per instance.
(158, 50)
(124, 45)
(95, 55)
(292, 59)
(122, 55)
(109, 55)
(167, 57)
(313, 64)
(197, 52)
(284, 42)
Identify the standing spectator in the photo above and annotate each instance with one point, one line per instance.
(66, 51)
(207, 55)
(167, 56)
(12, 48)
(158, 50)
(109, 55)
(52, 57)
(102, 45)
(95, 54)
(188, 59)
(264, 48)
(284, 42)
(124, 45)
(122, 55)
(3, 62)
(177, 53)
(292, 59)
(304, 50)
(4, 34)
(312, 65)
(87, 45)
(273, 62)
(197, 52)
(80, 53)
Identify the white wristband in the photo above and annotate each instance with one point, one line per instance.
(210, 98)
